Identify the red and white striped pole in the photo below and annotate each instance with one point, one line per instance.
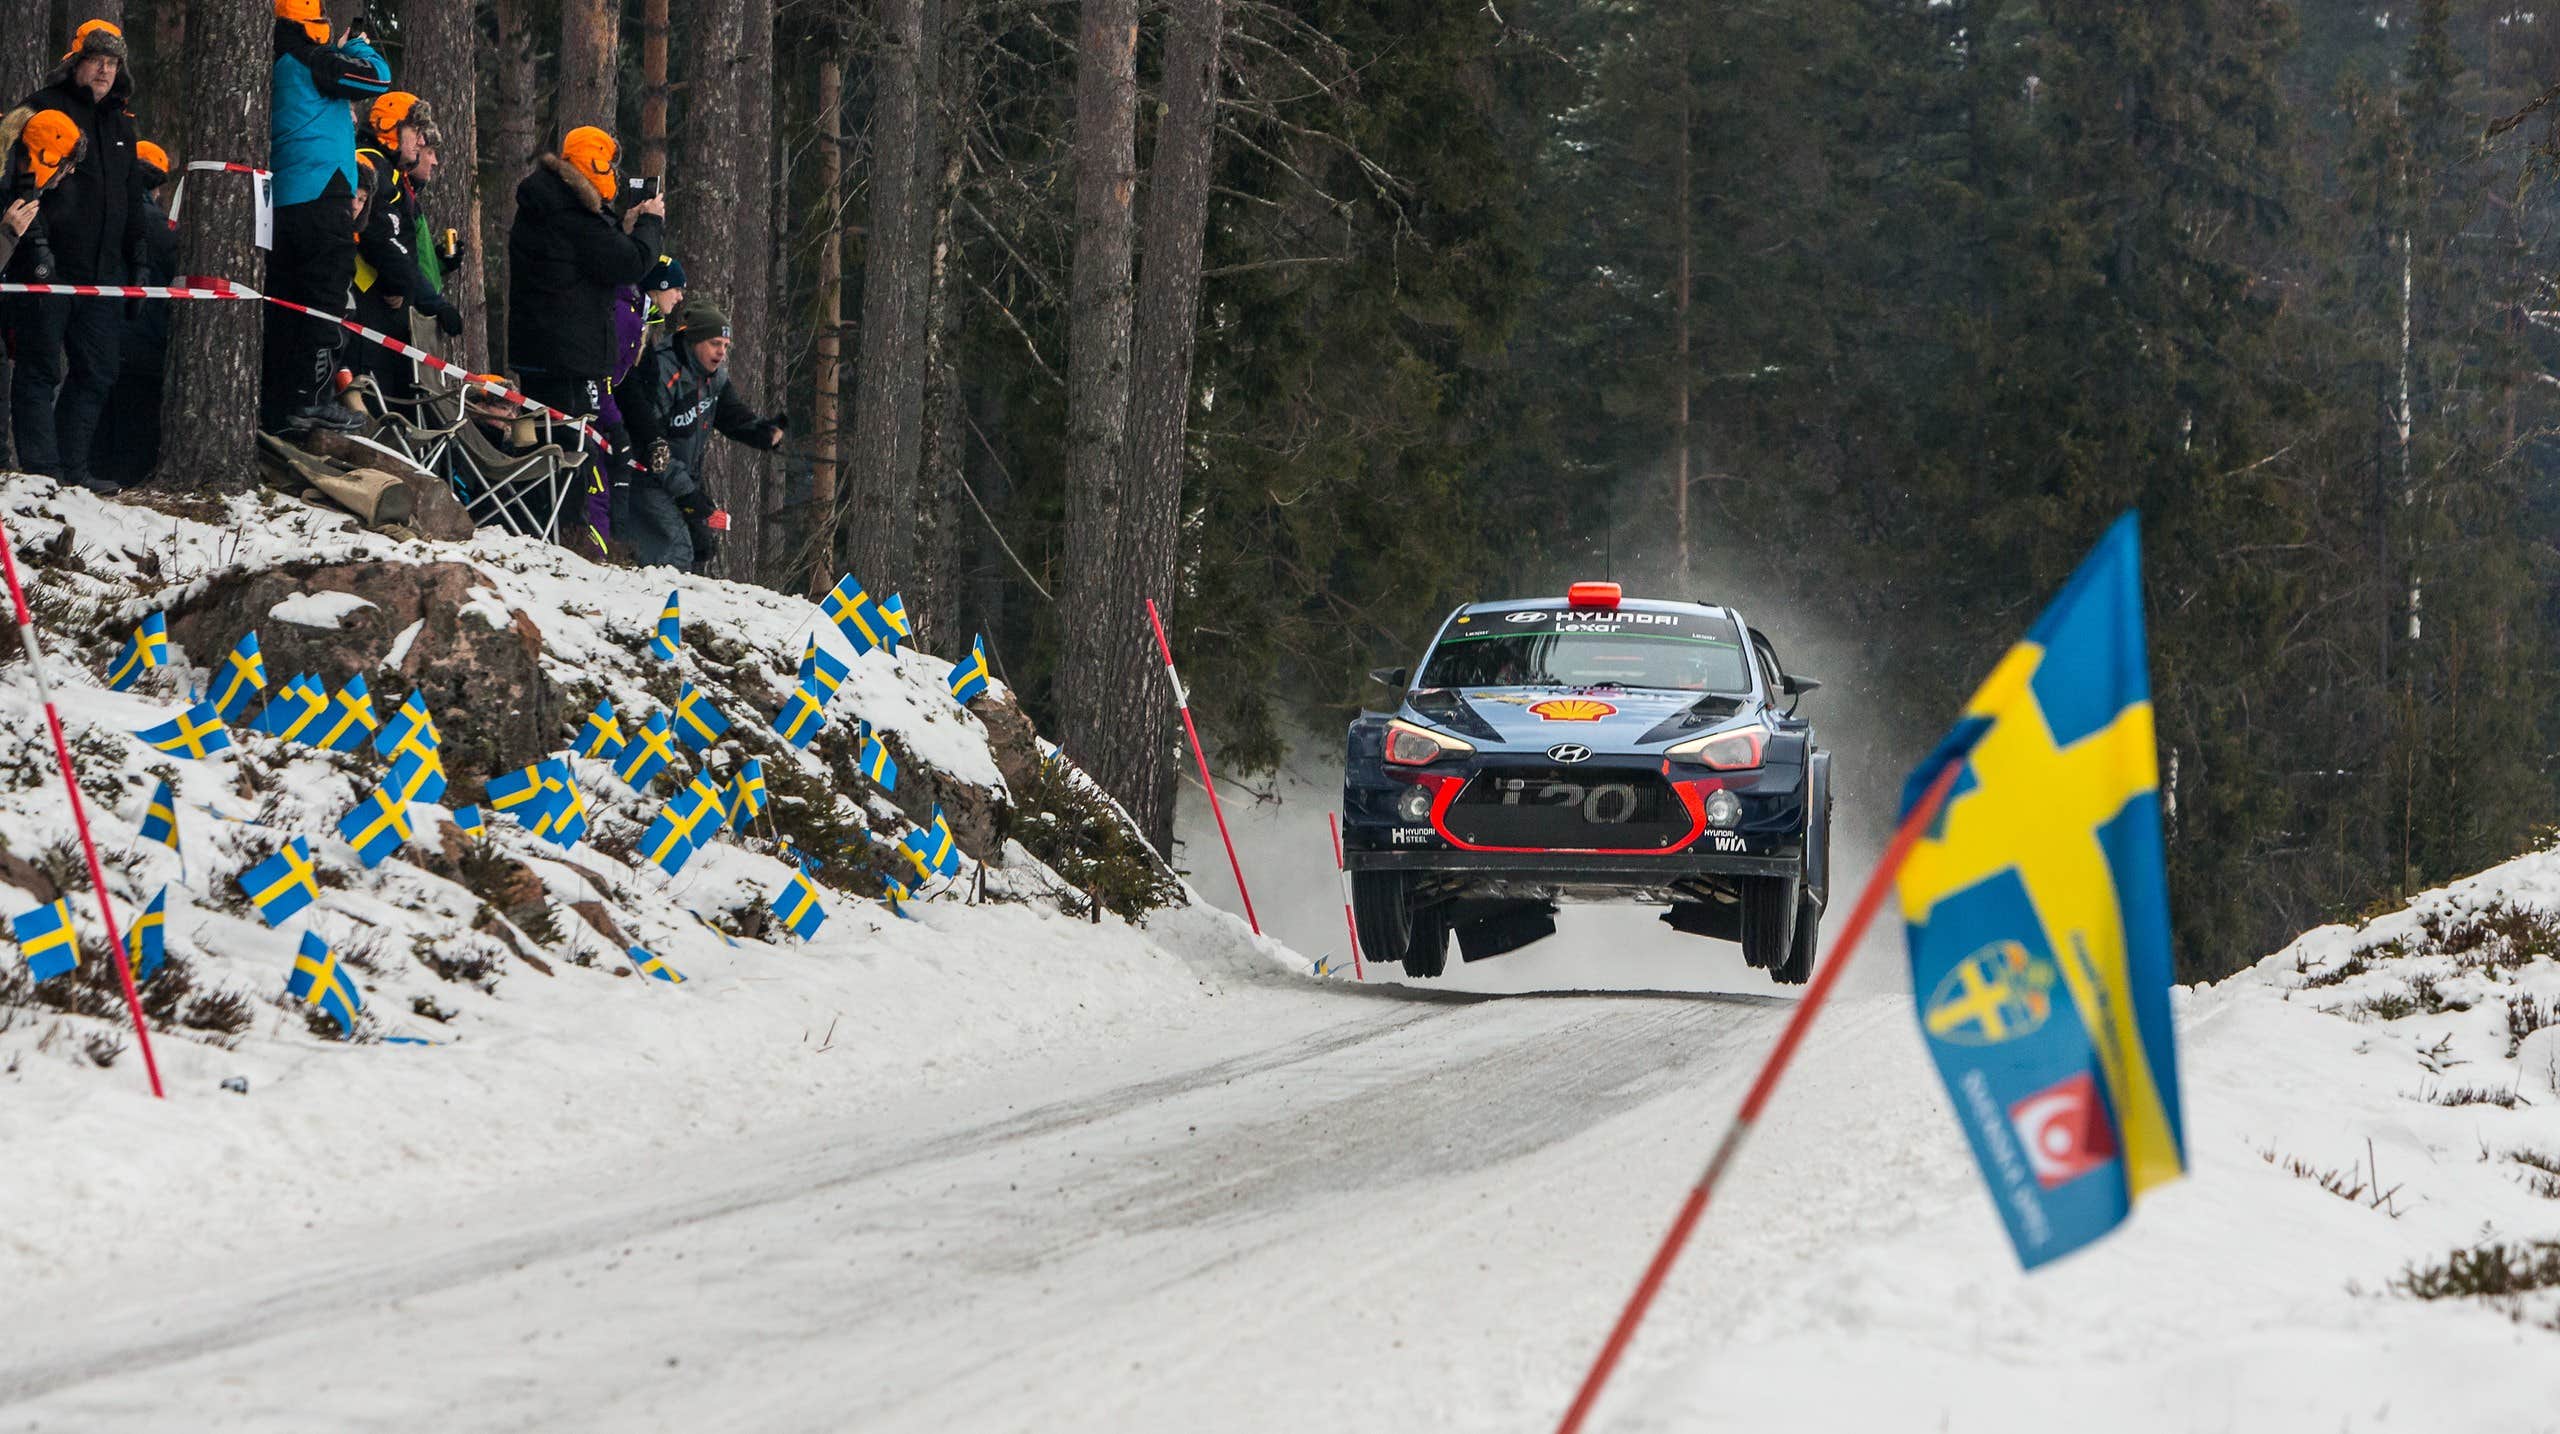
(1824, 978)
(1182, 700)
(1331, 824)
(79, 810)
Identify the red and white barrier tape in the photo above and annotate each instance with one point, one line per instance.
(188, 288)
(223, 166)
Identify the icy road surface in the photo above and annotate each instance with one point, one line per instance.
(1324, 1208)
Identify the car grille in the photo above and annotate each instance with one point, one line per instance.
(1580, 807)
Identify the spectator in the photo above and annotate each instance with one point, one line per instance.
(639, 313)
(41, 152)
(392, 279)
(567, 256)
(312, 149)
(67, 347)
(129, 448)
(679, 394)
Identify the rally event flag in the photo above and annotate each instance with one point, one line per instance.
(797, 905)
(146, 941)
(800, 718)
(160, 817)
(670, 633)
(283, 884)
(469, 822)
(858, 616)
(321, 979)
(349, 724)
(46, 940)
(146, 649)
(698, 724)
(196, 732)
(746, 793)
(243, 677)
(646, 754)
(292, 710)
(821, 672)
(654, 965)
(969, 677)
(2038, 914)
(376, 826)
(602, 735)
(878, 765)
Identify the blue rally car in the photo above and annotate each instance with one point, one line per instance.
(1588, 748)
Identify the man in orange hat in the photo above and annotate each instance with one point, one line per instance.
(311, 147)
(392, 260)
(67, 348)
(129, 448)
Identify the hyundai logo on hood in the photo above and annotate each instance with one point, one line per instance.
(1568, 753)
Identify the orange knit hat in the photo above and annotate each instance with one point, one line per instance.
(153, 155)
(591, 152)
(51, 140)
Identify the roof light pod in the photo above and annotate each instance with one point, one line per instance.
(1592, 595)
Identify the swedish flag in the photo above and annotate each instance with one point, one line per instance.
(878, 765)
(858, 616)
(821, 672)
(147, 648)
(746, 793)
(698, 723)
(797, 905)
(376, 826)
(520, 793)
(800, 718)
(602, 735)
(969, 677)
(469, 822)
(672, 836)
(895, 610)
(283, 884)
(417, 778)
(146, 941)
(894, 894)
(293, 709)
(411, 729)
(160, 817)
(196, 732)
(244, 674)
(646, 754)
(725, 938)
(934, 847)
(670, 633)
(47, 941)
(563, 819)
(2038, 913)
(321, 979)
(654, 965)
(350, 723)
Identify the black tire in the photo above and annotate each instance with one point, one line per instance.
(1392, 929)
(1798, 967)
(1768, 919)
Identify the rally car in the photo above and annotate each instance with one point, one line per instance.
(1592, 747)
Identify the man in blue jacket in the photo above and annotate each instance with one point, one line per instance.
(311, 147)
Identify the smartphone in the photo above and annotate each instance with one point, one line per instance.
(640, 189)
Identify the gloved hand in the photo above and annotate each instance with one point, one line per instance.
(449, 320)
(659, 460)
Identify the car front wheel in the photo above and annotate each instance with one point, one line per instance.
(1394, 927)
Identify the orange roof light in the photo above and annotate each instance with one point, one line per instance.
(1592, 595)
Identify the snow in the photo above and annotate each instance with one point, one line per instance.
(318, 609)
(1004, 1168)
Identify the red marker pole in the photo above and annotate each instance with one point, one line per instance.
(1348, 924)
(79, 810)
(1182, 699)
(1824, 978)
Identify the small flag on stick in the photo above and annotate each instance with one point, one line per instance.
(320, 979)
(146, 649)
(243, 677)
(196, 733)
(283, 884)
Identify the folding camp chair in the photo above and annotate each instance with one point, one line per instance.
(510, 466)
(419, 435)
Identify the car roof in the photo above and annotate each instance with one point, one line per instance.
(1634, 604)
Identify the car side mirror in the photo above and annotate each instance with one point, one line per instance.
(1389, 676)
(1798, 685)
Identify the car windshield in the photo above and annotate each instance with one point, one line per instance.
(1686, 653)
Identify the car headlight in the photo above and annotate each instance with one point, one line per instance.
(1411, 746)
(1724, 751)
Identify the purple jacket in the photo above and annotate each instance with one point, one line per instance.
(630, 335)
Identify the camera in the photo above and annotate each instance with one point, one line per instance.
(640, 189)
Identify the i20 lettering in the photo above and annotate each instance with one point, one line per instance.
(1602, 803)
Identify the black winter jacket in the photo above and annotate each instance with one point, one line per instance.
(93, 218)
(669, 396)
(565, 255)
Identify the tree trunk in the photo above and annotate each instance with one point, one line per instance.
(944, 454)
(441, 64)
(511, 146)
(1101, 708)
(1680, 293)
(823, 416)
(1160, 390)
(111, 11)
(753, 492)
(880, 480)
(721, 215)
(653, 87)
(212, 372)
(23, 52)
(590, 65)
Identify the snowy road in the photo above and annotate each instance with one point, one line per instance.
(1316, 1207)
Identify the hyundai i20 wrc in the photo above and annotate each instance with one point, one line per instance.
(1592, 747)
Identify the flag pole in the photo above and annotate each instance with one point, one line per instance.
(1824, 978)
(79, 812)
(1334, 825)
(1182, 699)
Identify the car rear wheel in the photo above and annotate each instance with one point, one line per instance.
(1769, 920)
(1394, 927)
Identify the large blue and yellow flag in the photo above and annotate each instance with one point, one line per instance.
(2038, 911)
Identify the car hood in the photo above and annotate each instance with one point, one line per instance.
(1535, 718)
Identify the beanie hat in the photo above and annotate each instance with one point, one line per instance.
(398, 108)
(98, 37)
(51, 141)
(156, 157)
(701, 319)
(667, 275)
(591, 151)
(305, 13)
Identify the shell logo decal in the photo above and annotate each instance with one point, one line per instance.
(1572, 709)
